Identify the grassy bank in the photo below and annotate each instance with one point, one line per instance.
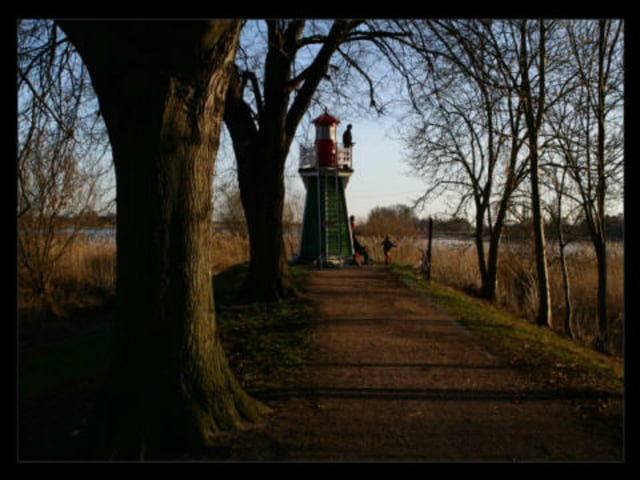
(456, 264)
(540, 352)
(263, 341)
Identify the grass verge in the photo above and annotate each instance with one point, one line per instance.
(541, 353)
(263, 341)
(58, 378)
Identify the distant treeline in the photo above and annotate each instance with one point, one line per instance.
(452, 225)
(95, 220)
(91, 219)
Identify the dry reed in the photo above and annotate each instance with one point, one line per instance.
(228, 249)
(88, 270)
(86, 273)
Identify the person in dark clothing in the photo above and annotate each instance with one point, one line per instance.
(347, 141)
(387, 245)
(360, 250)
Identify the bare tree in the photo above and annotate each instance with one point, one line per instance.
(161, 87)
(532, 56)
(559, 217)
(538, 68)
(61, 145)
(588, 134)
(469, 132)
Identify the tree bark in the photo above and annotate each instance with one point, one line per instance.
(533, 118)
(489, 290)
(479, 241)
(566, 284)
(161, 88)
(599, 241)
(490, 283)
(602, 343)
(260, 158)
(512, 181)
(544, 300)
(262, 191)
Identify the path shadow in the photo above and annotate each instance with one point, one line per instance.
(460, 366)
(428, 394)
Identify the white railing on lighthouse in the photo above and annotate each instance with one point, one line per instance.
(309, 157)
(344, 157)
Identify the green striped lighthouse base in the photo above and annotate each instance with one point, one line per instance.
(326, 235)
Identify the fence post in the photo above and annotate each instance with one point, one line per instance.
(428, 258)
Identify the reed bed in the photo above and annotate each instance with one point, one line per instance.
(86, 275)
(228, 249)
(88, 262)
(517, 288)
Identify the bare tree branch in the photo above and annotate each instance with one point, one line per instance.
(354, 64)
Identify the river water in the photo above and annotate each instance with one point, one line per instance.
(108, 235)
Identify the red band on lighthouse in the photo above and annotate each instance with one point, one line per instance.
(326, 139)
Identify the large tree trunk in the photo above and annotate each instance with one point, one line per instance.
(262, 191)
(161, 87)
(260, 157)
(490, 283)
(490, 286)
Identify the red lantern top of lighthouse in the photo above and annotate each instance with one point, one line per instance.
(326, 120)
(326, 152)
(326, 143)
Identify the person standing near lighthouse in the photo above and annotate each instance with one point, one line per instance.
(358, 248)
(347, 140)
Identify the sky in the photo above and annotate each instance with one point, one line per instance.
(380, 175)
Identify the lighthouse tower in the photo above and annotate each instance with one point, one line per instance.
(325, 169)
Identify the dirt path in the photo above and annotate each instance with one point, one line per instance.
(394, 379)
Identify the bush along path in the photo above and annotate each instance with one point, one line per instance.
(391, 376)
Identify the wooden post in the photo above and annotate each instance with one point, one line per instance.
(428, 259)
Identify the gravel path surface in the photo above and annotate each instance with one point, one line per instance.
(394, 379)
